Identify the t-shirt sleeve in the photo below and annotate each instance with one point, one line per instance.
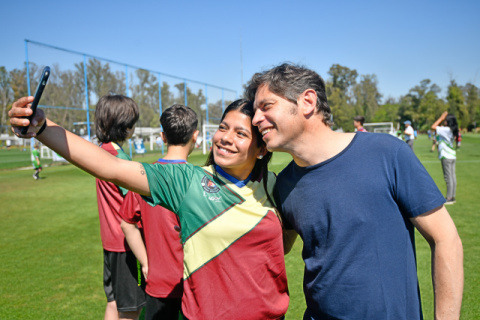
(168, 184)
(130, 209)
(415, 191)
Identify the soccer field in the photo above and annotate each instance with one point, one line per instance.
(51, 253)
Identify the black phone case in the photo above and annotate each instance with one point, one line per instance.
(38, 95)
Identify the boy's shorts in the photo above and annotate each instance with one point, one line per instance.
(120, 281)
(162, 308)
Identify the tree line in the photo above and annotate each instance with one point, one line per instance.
(66, 93)
(348, 93)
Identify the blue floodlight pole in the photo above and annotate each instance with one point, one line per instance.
(86, 96)
(185, 91)
(206, 103)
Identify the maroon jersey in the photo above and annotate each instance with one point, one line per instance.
(109, 199)
(162, 241)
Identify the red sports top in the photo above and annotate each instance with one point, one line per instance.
(163, 243)
(109, 199)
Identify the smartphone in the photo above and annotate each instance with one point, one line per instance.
(38, 95)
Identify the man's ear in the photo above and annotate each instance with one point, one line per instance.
(308, 102)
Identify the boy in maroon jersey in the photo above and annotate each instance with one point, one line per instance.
(161, 256)
(115, 118)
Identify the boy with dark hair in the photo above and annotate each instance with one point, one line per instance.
(115, 118)
(37, 166)
(161, 255)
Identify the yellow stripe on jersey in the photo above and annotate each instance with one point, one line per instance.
(218, 235)
(116, 146)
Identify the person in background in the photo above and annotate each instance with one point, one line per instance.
(409, 133)
(446, 127)
(458, 140)
(358, 124)
(37, 166)
(161, 255)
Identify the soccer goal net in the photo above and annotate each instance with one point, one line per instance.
(46, 152)
(383, 127)
(208, 130)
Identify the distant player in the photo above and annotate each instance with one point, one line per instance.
(358, 123)
(37, 166)
(409, 133)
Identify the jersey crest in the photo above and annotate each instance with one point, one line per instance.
(209, 186)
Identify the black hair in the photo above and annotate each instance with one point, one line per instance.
(179, 123)
(360, 119)
(115, 114)
(290, 81)
(452, 124)
(261, 165)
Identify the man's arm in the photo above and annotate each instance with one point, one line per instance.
(438, 228)
(78, 151)
(135, 242)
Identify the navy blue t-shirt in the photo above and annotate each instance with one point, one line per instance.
(352, 213)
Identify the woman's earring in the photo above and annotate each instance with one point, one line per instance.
(260, 157)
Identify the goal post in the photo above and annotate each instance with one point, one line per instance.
(383, 127)
(208, 130)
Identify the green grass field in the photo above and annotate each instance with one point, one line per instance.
(51, 254)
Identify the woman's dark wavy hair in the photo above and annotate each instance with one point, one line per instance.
(261, 165)
(115, 114)
(452, 124)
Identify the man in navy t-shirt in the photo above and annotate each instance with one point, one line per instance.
(355, 199)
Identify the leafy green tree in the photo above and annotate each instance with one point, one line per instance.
(339, 95)
(6, 96)
(342, 112)
(342, 77)
(388, 112)
(18, 80)
(101, 79)
(421, 105)
(168, 98)
(194, 100)
(66, 90)
(145, 94)
(456, 104)
(215, 111)
(366, 96)
(472, 101)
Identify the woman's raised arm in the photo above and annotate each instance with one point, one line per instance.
(78, 151)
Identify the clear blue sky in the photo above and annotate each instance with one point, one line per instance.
(402, 42)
